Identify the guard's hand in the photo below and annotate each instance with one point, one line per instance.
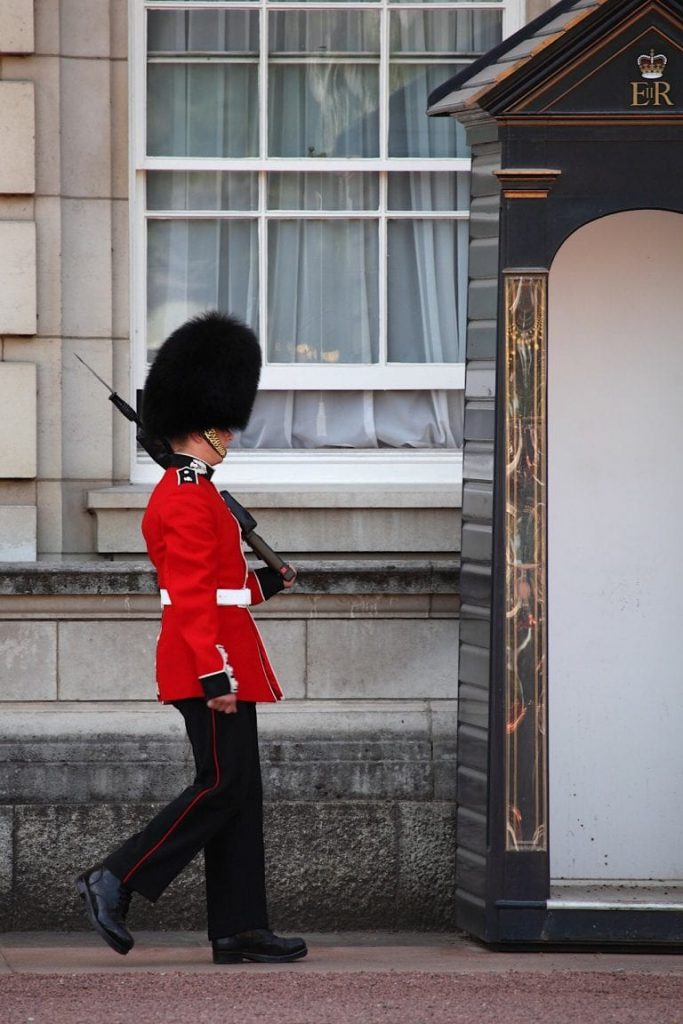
(288, 584)
(226, 703)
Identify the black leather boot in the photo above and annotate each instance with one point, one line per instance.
(106, 901)
(259, 945)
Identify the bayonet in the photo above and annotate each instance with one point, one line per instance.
(100, 379)
(115, 399)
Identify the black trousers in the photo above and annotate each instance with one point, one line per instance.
(221, 812)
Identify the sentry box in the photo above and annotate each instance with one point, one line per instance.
(570, 750)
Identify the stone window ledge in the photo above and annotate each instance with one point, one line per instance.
(333, 496)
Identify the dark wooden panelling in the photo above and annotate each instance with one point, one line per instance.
(474, 666)
(484, 257)
(475, 632)
(476, 611)
(482, 338)
(480, 382)
(477, 541)
(477, 500)
(485, 217)
(475, 583)
(473, 691)
(473, 747)
(471, 830)
(483, 136)
(483, 299)
(478, 461)
(470, 872)
(472, 788)
(470, 913)
(473, 712)
(484, 163)
(480, 420)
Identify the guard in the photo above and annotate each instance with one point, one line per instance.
(211, 662)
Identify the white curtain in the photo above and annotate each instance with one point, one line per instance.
(352, 419)
(194, 265)
(206, 108)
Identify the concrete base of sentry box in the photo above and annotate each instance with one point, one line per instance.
(551, 925)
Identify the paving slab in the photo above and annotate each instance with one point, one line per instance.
(348, 952)
(373, 978)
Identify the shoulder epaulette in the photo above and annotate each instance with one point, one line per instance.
(187, 475)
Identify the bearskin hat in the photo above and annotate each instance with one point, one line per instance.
(205, 375)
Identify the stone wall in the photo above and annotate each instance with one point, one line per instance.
(359, 813)
(64, 250)
(358, 761)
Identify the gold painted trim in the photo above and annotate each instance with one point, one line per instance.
(526, 754)
(590, 120)
(527, 182)
(528, 173)
(522, 194)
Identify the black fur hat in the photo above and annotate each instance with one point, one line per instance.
(205, 375)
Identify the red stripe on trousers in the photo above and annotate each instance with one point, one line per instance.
(187, 810)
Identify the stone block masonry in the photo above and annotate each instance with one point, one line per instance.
(355, 836)
(358, 762)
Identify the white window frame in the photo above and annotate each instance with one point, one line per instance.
(249, 468)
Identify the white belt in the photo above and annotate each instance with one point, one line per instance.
(238, 597)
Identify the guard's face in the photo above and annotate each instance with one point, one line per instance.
(225, 437)
(217, 442)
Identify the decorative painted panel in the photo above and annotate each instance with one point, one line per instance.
(526, 757)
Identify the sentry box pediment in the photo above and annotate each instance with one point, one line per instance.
(570, 712)
(591, 60)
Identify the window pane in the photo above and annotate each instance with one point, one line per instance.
(201, 190)
(323, 191)
(423, 191)
(333, 3)
(461, 32)
(202, 109)
(411, 132)
(422, 281)
(319, 110)
(325, 108)
(323, 32)
(498, 3)
(196, 265)
(203, 32)
(322, 291)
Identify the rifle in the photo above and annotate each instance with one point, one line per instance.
(161, 452)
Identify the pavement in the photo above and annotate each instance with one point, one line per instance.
(351, 978)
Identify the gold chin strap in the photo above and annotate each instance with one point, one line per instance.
(215, 442)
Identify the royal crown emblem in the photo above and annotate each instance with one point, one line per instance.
(652, 64)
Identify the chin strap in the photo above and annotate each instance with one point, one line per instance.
(214, 440)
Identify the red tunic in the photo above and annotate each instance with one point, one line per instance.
(194, 542)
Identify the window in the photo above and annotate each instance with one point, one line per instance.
(285, 170)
